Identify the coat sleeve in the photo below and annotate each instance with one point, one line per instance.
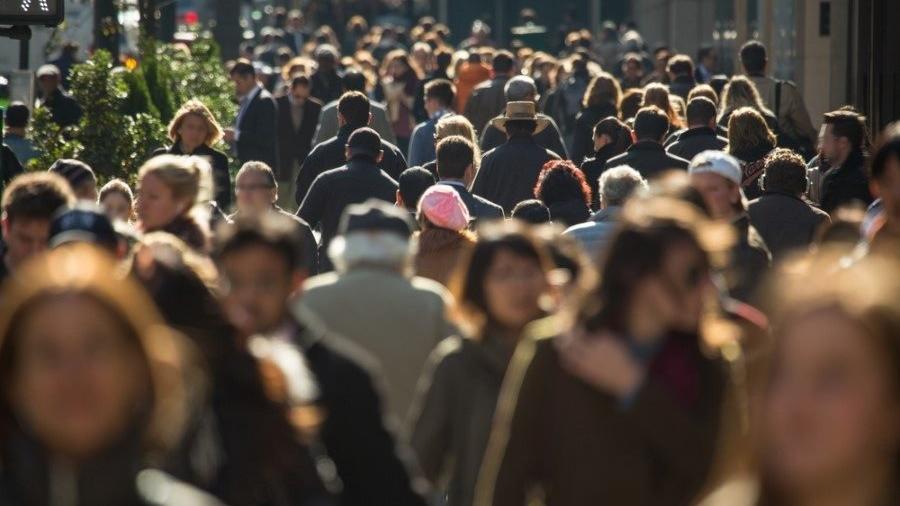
(430, 413)
(417, 155)
(259, 141)
(481, 184)
(222, 179)
(306, 176)
(491, 138)
(312, 207)
(557, 145)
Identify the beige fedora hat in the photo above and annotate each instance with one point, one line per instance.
(520, 111)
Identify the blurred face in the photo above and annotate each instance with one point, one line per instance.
(834, 149)
(396, 69)
(719, 194)
(257, 286)
(243, 84)
(193, 131)
(87, 191)
(632, 69)
(662, 59)
(117, 207)
(887, 188)
(77, 382)
(254, 193)
(300, 93)
(24, 238)
(512, 288)
(156, 204)
(831, 410)
(710, 60)
(48, 84)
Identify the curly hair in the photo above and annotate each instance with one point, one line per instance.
(199, 109)
(561, 181)
(747, 129)
(785, 172)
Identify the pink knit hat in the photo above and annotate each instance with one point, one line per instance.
(444, 208)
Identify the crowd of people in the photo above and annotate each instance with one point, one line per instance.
(459, 276)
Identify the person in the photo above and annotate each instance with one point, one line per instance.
(601, 100)
(372, 300)
(843, 146)
(706, 64)
(79, 175)
(90, 371)
(480, 36)
(85, 222)
(500, 292)
(324, 375)
(701, 133)
(795, 128)
(456, 159)
(29, 204)
(531, 211)
(443, 237)
(750, 141)
(455, 124)
(885, 184)
(596, 411)
(411, 185)
(355, 182)
(647, 154)
(488, 98)
(68, 58)
(170, 187)
(658, 95)
(509, 172)
(632, 74)
(117, 200)
(717, 176)
(353, 114)
(253, 136)
(564, 102)
(438, 101)
(616, 187)
(611, 138)
(64, 109)
(399, 80)
(193, 132)
(352, 80)
(443, 58)
(15, 120)
(741, 92)
(563, 189)
(630, 104)
(469, 74)
(785, 221)
(523, 89)
(661, 56)
(298, 115)
(680, 69)
(296, 32)
(325, 82)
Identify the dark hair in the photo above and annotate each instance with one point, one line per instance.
(243, 68)
(651, 123)
(503, 62)
(618, 132)
(785, 171)
(520, 127)
(354, 107)
(442, 90)
(888, 147)
(848, 124)
(269, 230)
(300, 80)
(454, 155)
(443, 58)
(700, 111)
(75, 172)
(412, 184)
(36, 196)
(753, 57)
(561, 181)
(353, 80)
(531, 211)
(681, 65)
(17, 115)
(631, 103)
(703, 52)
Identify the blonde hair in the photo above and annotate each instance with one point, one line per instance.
(457, 124)
(603, 89)
(197, 108)
(747, 129)
(741, 92)
(658, 95)
(188, 177)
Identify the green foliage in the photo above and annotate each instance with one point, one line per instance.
(52, 141)
(138, 100)
(159, 81)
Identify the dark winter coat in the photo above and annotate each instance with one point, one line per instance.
(694, 141)
(294, 144)
(220, 173)
(649, 158)
(593, 168)
(549, 138)
(258, 140)
(188, 230)
(583, 133)
(479, 208)
(570, 212)
(508, 173)
(63, 108)
(486, 101)
(786, 222)
(846, 184)
(748, 263)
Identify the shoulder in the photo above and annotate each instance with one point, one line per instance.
(318, 285)
(387, 146)
(430, 288)
(677, 159)
(160, 151)
(315, 103)
(618, 159)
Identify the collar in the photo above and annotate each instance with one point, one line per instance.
(454, 182)
(252, 94)
(704, 130)
(646, 145)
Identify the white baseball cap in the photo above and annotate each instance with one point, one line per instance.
(717, 162)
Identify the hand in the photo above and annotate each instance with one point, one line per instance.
(229, 135)
(602, 361)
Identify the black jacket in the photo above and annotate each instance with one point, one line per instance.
(331, 155)
(785, 222)
(593, 168)
(64, 109)
(336, 189)
(693, 141)
(845, 184)
(294, 144)
(749, 261)
(258, 141)
(569, 212)
(649, 158)
(583, 133)
(220, 173)
(682, 86)
(508, 173)
(486, 101)
(479, 208)
(10, 166)
(548, 138)
(325, 86)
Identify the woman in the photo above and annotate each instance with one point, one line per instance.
(750, 140)
(624, 407)
(562, 188)
(169, 188)
(117, 200)
(95, 387)
(611, 138)
(741, 92)
(194, 131)
(630, 105)
(454, 124)
(601, 100)
(501, 286)
(658, 95)
(399, 81)
(443, 237)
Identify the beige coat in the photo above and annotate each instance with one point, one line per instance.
(793, 118)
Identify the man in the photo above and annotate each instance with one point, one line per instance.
(324, 376)
(371, 300)
(68, 58)
(488, 98)
(443, 58)
(412, 184)
(353, 114)
(886, 186)
(717, 176)
(254, 133)
(632, 71)
(843, 142)
(439, 95)
(509, 172)
(456, 169)
(785, 221)
(781, 97)
(647, 155)
(326, 82)
(296, 33)
(701, 133)
(29, 204)
(16, 122)
(79, 175)
(706, 64)
(64, 109)
(298, 115)
(256, 191)
(328, 127)
(86, 222)
(680, 69)
(616, 185)
(523, 89)
(357, 181)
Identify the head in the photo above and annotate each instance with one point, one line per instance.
(194, 125)
(364, 144)
(753, 57)
(612, 132)
(717, 176)
(531, 211)
(707, 57)
(353, 110)
(261, 266)
(884, 174)
(603, 90)
(741, 92)
(618, 184)
(79, 175)
(651, 124)
(243, 75)
(457, 124)
(843, 133)
(49, 79)
(439, 95)
(29, 204)
(86, 223)
(16, 117)
(701, 112)
(373, 234)
(413, 182)
(561, 181)
(456, 159)
(503, 63)
(703, 90)
(680, 65)
(300, 88)
(657, 94)
(631, 103)
(168, 188)
(785, 172)
(327, 57)
(256, 188)
(750, 130)
(117, 200)
(632, 67)
(661, 57)
(442, 207)
(520, 89)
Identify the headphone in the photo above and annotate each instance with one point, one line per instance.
(806, 185)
